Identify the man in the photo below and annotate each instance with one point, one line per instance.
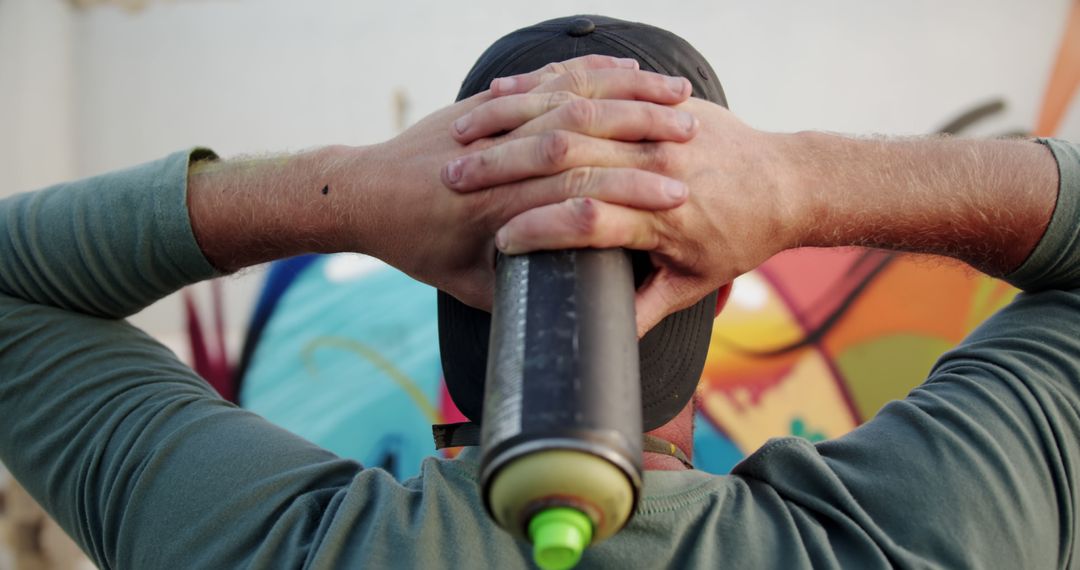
(147, 469)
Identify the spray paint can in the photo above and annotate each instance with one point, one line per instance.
(561, 432)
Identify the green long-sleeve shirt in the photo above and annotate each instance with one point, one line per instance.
(146, 468)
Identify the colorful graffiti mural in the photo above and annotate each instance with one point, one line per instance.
(814, 342)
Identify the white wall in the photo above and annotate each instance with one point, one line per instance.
(36, 141)
(247, 76)
(277, 74)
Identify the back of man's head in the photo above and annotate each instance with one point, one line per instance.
(673, 353)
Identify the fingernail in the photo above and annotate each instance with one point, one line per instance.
(626, 62)
(453, 170)
(686, 121)
(674, 189)
(503, 84)
(461, 125)
(501, 239)
(676, 84)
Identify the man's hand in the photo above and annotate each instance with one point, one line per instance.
(558, 153)
(390, 201)
(753, 194)
(736, 216)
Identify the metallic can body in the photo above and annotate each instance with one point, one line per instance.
(563, 375)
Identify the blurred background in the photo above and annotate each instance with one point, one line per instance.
(89, 86)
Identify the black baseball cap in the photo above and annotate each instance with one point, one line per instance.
(673, 353)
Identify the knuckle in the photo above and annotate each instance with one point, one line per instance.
(554, 146)
(658, 117)
(577, 181)
(579, 81)
(484, 160)
(555, 67)
(658, 157)
(581, 113)
(557, 99)
(583, 216)
(595, 59)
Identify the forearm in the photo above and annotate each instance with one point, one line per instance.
(252, 210)
(986, 203)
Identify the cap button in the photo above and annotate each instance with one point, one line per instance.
(559, 536)
(581, 27)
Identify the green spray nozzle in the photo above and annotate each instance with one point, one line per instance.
(559, 536)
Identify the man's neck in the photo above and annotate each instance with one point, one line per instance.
(680, 432)
(660, 462)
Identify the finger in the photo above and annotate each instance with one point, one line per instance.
(532, 113)
(475, 100)
(506, 114)
(546, 154)
(659, 297)
(578, 223)
(620, 84)
(628, 187)
(527, 81)
(616, 120)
